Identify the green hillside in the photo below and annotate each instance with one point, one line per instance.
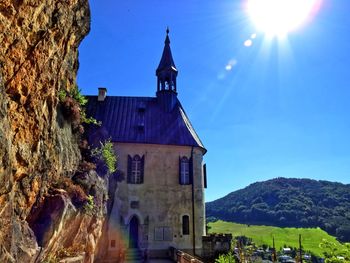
(311, 237)
(287, 202)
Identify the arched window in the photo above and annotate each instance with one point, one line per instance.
(185, 225)
(135, 169)
(185, 170)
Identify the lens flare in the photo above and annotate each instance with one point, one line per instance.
(278, 17)
(248, 42)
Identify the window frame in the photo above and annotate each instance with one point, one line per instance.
(135, 169)
(163, 233)
(185, 222)
(184, 171)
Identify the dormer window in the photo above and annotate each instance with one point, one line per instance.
(185, 170)
(141, 127)
(135, 169)
(141, 107)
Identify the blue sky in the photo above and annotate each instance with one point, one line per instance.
(282, 110)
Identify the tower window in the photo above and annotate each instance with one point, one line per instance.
(185, 225)
(185, 167)
(135, 169)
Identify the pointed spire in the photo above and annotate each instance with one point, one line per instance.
(166, 78)
(167, 61)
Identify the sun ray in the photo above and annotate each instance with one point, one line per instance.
(278, 17)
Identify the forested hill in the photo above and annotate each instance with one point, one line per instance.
(288, 202)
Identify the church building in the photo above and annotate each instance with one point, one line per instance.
(160, 202)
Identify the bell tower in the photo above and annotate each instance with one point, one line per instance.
(166, 77)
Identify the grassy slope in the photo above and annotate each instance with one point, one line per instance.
(311, 237)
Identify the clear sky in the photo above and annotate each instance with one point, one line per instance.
(277, 108)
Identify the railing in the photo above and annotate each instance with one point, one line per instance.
(182, 257)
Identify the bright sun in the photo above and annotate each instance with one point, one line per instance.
(278, 17)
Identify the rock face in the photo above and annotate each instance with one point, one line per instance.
(38, 57)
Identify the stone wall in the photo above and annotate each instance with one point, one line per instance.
(215, 244)
(38, 57)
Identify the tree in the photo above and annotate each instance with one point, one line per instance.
(226, 258)
(333, 254)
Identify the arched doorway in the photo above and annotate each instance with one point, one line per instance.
(133, 232)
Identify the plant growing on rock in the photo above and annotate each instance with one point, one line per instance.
(75, 191)
(73, 103)
(62, 94)
(106, 153)
(88, 120)
(81, 187)
(78, 97)
(86, 166)
(89, 205)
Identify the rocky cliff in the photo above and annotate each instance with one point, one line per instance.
(38, 58)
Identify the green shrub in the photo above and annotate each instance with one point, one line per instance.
(109, 156)
(226, 258)
(62, 95)
(332, 252)
(88, 120)
(73, 103)
(106, 153)
(80, 98)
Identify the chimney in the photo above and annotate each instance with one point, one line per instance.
(102, 93)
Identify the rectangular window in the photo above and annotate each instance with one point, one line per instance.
(185, 225)
(185, 170)
(185, 176)
(163, 233)
(205, 175)
(135, 169)
(158, 234)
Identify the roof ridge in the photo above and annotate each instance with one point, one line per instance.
(138, 97)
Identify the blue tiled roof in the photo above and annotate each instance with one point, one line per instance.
(142, 120)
